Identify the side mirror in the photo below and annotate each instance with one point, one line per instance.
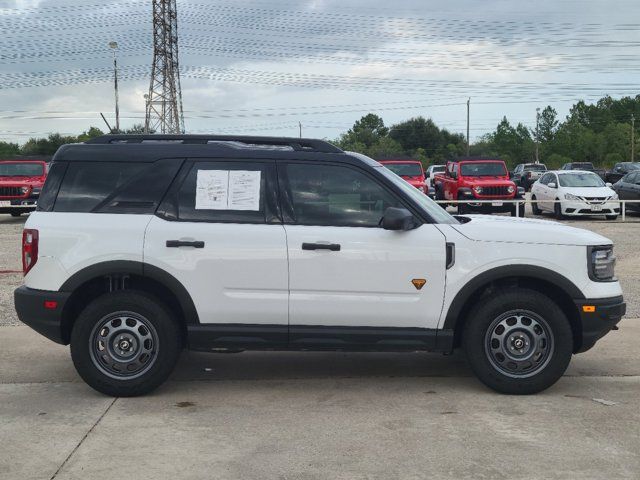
(397, 219)
(609, 184)
(552, 185)
(454, 175)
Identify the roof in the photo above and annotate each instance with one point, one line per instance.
(476, 159)
(149, 148)
(399, 160)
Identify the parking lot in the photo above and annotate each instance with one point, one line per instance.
(321, 415)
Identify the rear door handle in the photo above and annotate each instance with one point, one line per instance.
(334, 247)
(185, 243)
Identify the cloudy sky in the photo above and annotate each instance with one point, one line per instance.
(260, 67)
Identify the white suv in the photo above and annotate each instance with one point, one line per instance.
(143, 245)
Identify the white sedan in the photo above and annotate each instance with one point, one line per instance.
(574, 193)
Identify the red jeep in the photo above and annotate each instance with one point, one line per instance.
(410, 170)
(479, 179)
(20, 185)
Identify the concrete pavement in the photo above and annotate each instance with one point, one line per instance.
(319, 415)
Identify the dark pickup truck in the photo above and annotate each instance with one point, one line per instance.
(619, 170)
(587, 166)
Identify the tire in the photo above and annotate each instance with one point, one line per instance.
(547, 325)
(149, 343)
(534, 206)
(611, 217)
(440, 196)
(462, 207)
(557, 210)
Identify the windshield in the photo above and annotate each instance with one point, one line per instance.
(438, 168)
(435, 211)
(482, 169)
(580, 180)
(536, 168)
(20, 169)
(631, 166)
(405, 169)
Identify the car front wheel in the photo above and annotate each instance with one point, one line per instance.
(125, 343)
(518, 341)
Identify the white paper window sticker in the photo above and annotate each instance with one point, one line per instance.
(228, 190)
(244, 190)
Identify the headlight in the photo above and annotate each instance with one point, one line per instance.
(511, 189)
(569, 196)
(24, 190)
(602, 263)
(478, 190)
(614, 197)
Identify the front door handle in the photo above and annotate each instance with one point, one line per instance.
(185, 243)
(334, 247)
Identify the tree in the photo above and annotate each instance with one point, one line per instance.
(89, 134)
(548, 124)
(367, 131)
(8, 149)
(417, 133)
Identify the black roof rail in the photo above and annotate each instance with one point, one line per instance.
(300, 144)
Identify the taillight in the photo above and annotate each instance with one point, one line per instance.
(29, 249)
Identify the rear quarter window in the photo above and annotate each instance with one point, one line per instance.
(115, 187)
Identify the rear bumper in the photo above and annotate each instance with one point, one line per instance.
(597, 323)
(30, 306)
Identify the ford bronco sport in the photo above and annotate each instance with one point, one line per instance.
(143, 245)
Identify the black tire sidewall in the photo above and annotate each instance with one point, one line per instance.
(167, 330)
(517, 299)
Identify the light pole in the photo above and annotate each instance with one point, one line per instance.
(538, 135)
(468, 105)
(114, 47)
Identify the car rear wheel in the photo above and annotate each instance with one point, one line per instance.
(518, 341)
(125, 343)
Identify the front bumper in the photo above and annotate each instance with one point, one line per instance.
(8, 205)
(578, 208)
(601, 316)
(30, 306)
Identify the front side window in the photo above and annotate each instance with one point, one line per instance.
(335, 195)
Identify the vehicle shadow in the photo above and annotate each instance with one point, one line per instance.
(317, 365)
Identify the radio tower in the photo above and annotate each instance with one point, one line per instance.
(164, 101)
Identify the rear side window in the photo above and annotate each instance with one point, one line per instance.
(225, 192)
(115, 187)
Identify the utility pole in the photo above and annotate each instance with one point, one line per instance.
(114, 47)
(300, 126)
(164, 105)
(468, 106)
(538, 135)
(633, 133)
